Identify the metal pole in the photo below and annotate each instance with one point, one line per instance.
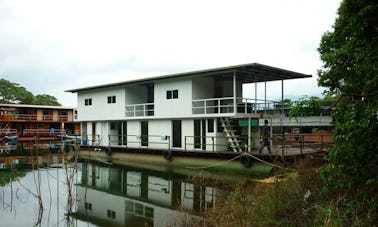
(249, 134)
(185, 143)
(234, 90)
(265, 96)
(255, 96)
(282, 107)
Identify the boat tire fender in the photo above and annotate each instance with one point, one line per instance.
(167, 155)
(108, 151)
(246, 161)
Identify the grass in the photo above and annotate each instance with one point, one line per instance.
(289, 199)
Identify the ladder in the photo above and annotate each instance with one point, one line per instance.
(228, 129)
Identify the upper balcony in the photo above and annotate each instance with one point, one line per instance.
(35, 117)
(231, 106)
(226, 106)
(140, 110)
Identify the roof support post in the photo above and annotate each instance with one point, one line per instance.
(265, 96)
(282, 107)
(255, 96)
(234, 90)
(249, 134)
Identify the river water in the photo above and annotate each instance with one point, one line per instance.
(41, 186)
(41, 191)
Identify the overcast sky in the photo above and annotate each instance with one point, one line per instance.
(50, 46)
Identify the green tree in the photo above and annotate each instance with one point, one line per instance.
(14, 93)
(350, 70)
(305, 106)
(45, 100)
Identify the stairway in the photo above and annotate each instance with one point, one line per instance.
(228, 129)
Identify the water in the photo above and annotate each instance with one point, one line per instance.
(101, 194)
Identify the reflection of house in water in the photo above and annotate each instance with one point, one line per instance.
(132, 197)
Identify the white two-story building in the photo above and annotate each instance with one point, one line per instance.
(200, 110)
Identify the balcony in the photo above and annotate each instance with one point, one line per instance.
(34, 117)
(140, 110)
(231, 105)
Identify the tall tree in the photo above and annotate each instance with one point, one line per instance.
(14, 93)
(350, 70)
(45, 100)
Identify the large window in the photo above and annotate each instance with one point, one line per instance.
(111, 99)
(88, 102)
(172, 94)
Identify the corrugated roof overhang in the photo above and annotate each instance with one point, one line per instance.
(246, 73)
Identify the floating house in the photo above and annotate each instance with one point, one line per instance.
(26, 122)
(193, 111)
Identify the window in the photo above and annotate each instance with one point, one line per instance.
(111, 99)
(88, 102)
(172, 94)
(175, 94)
(88, 206)
(63, 113)
(169, 94)
(111, 214)
(210, 125)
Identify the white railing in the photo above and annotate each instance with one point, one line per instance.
(227, 105)
(140, 110)
(34, 117)
(42, 131)
(8, 131)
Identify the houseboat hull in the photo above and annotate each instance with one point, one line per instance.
(188, 164)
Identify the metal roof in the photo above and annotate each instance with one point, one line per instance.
(246, 73)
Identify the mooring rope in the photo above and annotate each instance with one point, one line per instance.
(211, 166)
(98, 159)
(265, 162)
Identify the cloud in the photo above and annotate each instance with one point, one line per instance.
(51, 46)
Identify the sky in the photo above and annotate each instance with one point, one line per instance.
(49, 46)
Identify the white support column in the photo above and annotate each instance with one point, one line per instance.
(249, 134)
(265, 96)
(234, 91)
(255, 96)
(282, 107)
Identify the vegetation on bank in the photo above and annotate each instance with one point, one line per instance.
(16, 94)
(344, 190)
(297, 198)
(8, 176)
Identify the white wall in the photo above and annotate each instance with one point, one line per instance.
(173, 108)
(100, 108)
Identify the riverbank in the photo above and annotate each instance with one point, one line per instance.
(295, 198)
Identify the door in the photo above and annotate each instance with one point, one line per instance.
(203, 134)
(144, 133)
(124, 133)
(197, 134)
(93, 133)
(176, 133)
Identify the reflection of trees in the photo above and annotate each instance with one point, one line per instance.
(7, 177)
(32, 180)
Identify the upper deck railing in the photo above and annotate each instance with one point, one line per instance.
(224, 105)
(140, 110)
(231, 105)
(34, 117)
